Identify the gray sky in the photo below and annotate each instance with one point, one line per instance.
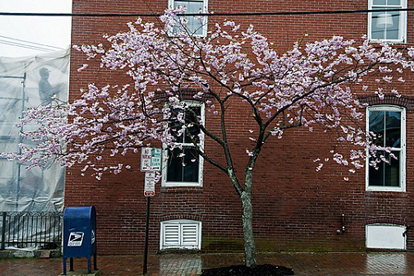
(20, 30)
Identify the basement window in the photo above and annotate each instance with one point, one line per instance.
(180, 234)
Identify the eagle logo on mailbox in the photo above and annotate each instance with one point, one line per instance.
(75, 239)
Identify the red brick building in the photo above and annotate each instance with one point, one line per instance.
(295, 207)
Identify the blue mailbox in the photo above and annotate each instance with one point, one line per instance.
(79, 235)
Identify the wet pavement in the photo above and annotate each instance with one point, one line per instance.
(396, 263)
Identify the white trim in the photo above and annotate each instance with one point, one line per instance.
(179, 241)
(205, 19)
(402, 187)
(402, 34)
(199, 183)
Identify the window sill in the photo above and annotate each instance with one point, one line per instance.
(178, 34)
(181, 189)
(394, 42)
(385, 193)
(180, 184)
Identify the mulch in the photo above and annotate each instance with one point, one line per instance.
(242, 270)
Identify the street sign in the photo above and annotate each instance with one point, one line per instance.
(149, 187)
(150, 159)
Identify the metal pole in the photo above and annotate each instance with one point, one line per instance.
(3, 232)
(19, 165)
(144, 272)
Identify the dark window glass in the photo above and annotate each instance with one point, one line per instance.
(191, 116)
(376, 125)
(182, 165)
(387, 174)
(387, 127)
(393, 129)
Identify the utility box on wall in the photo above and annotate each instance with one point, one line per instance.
(79, 235)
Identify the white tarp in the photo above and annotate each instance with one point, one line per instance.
(26, 83)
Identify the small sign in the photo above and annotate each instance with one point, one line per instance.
(75, 239)
(149, 188)
(150, 159)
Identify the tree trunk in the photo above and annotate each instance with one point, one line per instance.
(249, 245)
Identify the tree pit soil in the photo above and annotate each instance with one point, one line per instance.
(242, 270)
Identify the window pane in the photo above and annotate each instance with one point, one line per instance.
(392, 31)
(175, 167)
(191, 133)
(377, 30)
(194, 24)
(393, 131)
(392, 171)
(182, 168)
(394, 2)
(190, 117)
(388, 174)
(190, 165)
(376, 125)
(379, 2)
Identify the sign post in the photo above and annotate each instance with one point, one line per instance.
(150, 163)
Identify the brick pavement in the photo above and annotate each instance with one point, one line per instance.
(191, 265)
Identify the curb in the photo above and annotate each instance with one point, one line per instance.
(41, 254)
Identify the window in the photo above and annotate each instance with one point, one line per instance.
(388, 123)
(183, 165)
(183, 234)
(195, 25)
(387, 26)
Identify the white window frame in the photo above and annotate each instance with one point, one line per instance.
(402, 187)
(402, 32)
(181, 243)
(205, 19)
(199, 183)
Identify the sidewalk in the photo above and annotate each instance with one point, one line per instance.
(191, 265)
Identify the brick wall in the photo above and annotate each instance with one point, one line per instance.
(296, 208)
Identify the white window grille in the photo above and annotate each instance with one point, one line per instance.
(180, 234)
(195, 25)
(387, 26)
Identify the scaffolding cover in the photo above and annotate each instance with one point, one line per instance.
(28, 83)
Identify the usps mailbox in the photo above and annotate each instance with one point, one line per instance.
(79, 235)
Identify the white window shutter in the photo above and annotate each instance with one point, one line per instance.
(189, 234)
(171, 234)
(184, 234)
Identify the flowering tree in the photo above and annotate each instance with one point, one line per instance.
(312, 85)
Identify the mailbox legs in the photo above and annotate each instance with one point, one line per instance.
(95, 267)
(94, 263)
(89, 265)
(70, 265)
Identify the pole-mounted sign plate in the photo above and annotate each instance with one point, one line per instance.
(150, 160)
(149, 188)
